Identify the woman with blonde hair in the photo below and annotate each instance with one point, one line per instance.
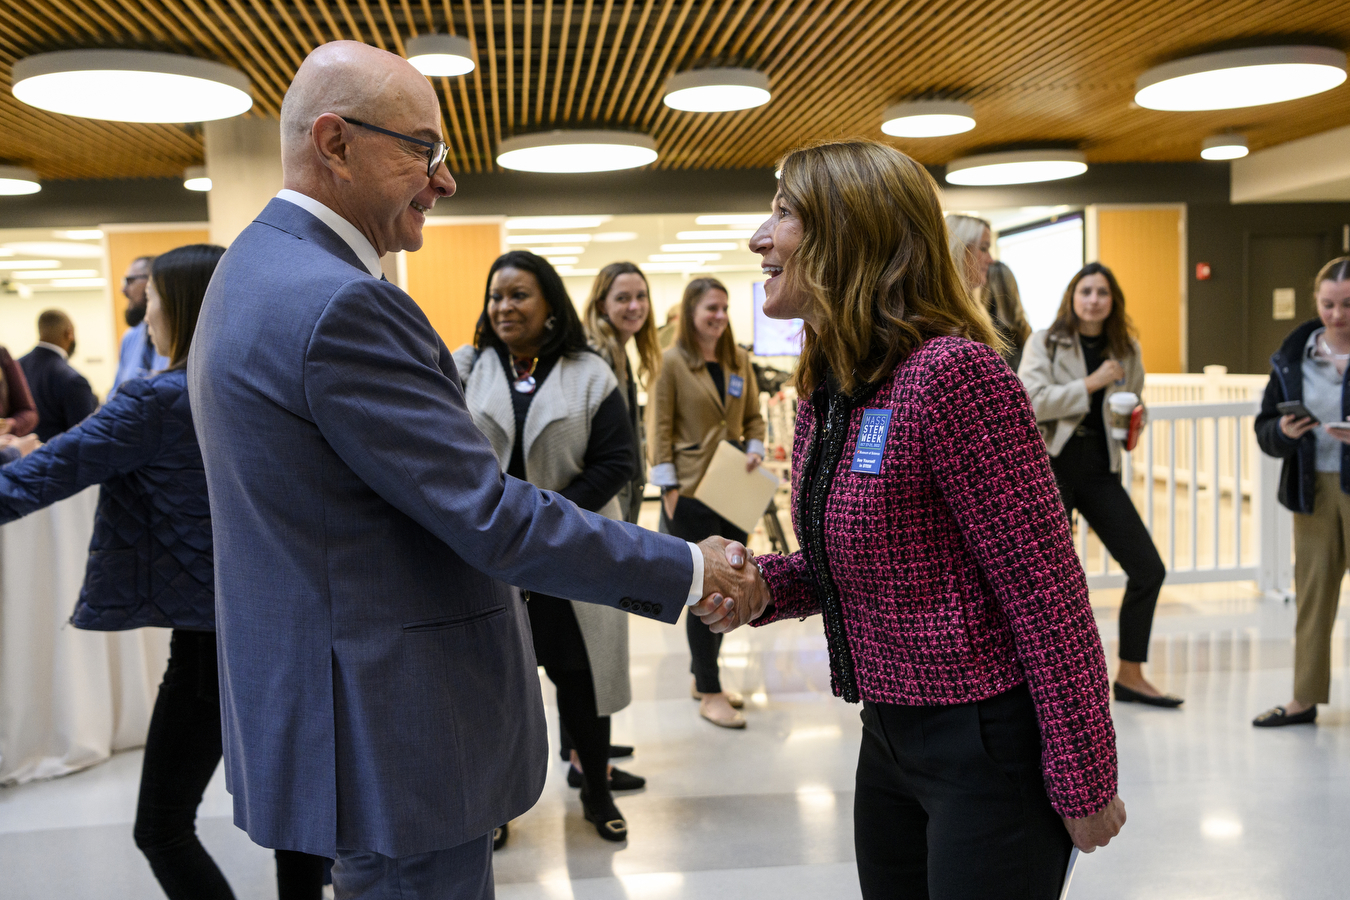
(618, 310)
(706, 394)
(970, 238)
(934, 546)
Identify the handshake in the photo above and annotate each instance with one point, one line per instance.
(734, 591)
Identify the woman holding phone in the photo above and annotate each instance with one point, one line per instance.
(1302, 421)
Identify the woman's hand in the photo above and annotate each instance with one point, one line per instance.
(1340, 434)
(752, 460)
(670, 497)
(1096, 830)
(1294, 429)
(1109, 372)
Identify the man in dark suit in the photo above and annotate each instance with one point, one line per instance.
(379, 695)
(62, 395)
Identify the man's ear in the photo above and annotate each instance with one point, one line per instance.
(329, 134)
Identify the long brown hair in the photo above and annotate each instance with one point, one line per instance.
(687, 337)
(874, 261)
(1118, 328)
(180, 277)
(602, 331)
(1004, 301)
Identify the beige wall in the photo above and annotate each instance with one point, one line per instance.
(447, 276)
(95, 353)
(1145, 247)
(243, 160)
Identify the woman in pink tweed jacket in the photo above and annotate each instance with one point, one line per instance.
(934, 545)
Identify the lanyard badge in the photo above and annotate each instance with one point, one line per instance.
(736, 386)
(876, 424)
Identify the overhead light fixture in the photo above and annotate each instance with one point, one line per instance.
(554, 223)
(131, 86)
(1016, 167)
(615, 237)
(927, 118)
(194, 179)
(1224, 146)
(59, 249)
(80, 234)
(77, 283)
(729, 234)
(545, 251)
(441, 55)
(15, 181)
(549, 239)
(683, 257)
(55, 273)
(577, 151)
(11, 265)
(752, 219)
(562, 260)
(1236, 78)
(699, 248)
(717, 90)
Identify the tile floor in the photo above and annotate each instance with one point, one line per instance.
(1217, 809)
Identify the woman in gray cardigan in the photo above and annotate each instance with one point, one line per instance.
(552, 410)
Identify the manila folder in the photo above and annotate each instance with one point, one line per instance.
(736, 495)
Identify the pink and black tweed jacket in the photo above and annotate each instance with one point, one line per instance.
(950, 576)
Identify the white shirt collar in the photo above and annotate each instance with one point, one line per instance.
(344, 229)
(55, 349)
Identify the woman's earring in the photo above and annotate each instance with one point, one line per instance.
(550, 322)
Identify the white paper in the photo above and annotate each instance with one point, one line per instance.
(1068, 874)
(736, 495)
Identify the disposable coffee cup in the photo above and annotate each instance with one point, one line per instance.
(1121, 404)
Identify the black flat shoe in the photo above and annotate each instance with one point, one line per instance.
(609, 822)
(1129, 695)
(619, 780)
(616, 751)
(1278, 716)
(499, 836)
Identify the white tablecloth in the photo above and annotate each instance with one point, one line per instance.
(68, 698)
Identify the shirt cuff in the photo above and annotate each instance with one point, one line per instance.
(663, 475)
(696, 586)
(754, 445)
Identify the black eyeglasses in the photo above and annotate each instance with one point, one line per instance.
(436, 153)
(130, 278)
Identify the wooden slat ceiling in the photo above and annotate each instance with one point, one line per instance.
(1036, 71)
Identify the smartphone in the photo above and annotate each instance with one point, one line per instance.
(1294, 408)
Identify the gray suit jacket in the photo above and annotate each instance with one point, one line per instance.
(378, 685)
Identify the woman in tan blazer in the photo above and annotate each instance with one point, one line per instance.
(706, 394)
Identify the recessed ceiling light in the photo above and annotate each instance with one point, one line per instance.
(55, 273)
(15, 181)
(717, 90)
(77, 283)
(699, 248)
(549, 239)
(577, 151)
(194, 179)
(729, 234)
(1016, 167)
(563, 260)
(684, 257)
(1224, 146)
(131, 86)
(554, 223)
(10, 265)
(81, 234)
(441, 55)
(59, 249)
(753, 219)
(927, 118)
(615, 237)
(545, 251)
(1236, 78)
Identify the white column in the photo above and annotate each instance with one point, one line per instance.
(243, 161)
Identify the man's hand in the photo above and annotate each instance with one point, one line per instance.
(752, 460)
(670, 497)
(1097, 829)
(733, 593)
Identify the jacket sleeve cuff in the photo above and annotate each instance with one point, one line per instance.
(696, 585)
(755, 445)
(663, 476)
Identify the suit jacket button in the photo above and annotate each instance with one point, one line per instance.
(656, 609)
(625, 603)
(646, 606)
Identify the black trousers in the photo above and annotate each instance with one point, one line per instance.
(694, 521)
(1087, 484)
(182, 750)
(951, 804)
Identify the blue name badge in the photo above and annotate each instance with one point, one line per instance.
(736, 386)
(876, 423)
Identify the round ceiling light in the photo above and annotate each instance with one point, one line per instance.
(1224, 146)
(927, 118)
(440, 54)
(196, 179)
(717, 90)
(14, 181)
(1235, 78)
(131, 86)
(577, 151)
(1016, 167)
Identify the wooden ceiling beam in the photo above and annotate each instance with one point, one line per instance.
(600, 46)
(650, 45)
(634, 41)
(578, 58)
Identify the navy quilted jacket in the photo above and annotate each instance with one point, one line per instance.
(150, 557)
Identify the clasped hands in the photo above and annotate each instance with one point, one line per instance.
(734, 592)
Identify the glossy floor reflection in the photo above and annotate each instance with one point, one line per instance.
(1217, 809)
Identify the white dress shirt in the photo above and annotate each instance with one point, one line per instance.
(371, 260)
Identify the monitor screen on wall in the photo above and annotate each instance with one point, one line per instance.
(1043, 258)
(774, 337)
